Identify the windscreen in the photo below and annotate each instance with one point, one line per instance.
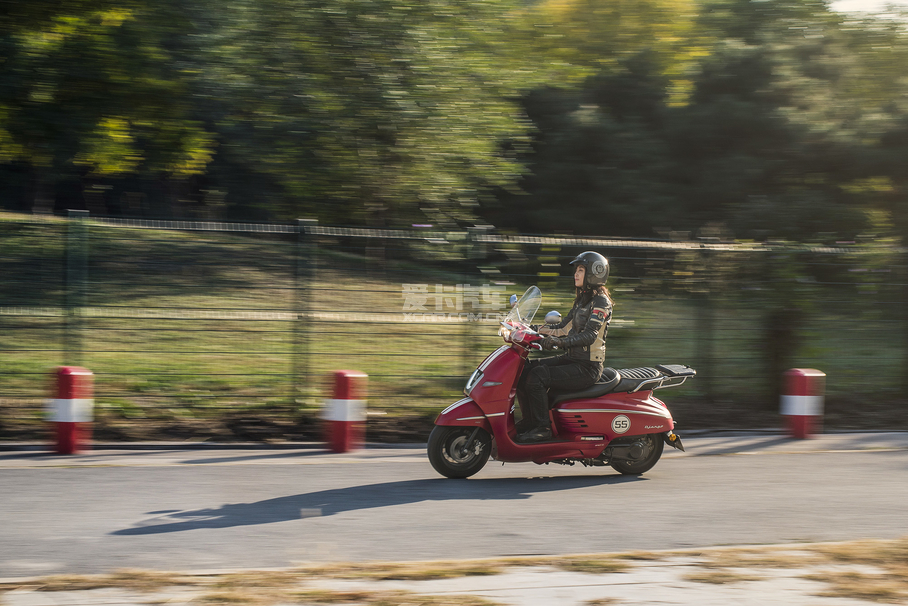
(526, 306)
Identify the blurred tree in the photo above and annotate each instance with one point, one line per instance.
(776, 118)
(88, 87)
(774, 128)
(881, 182)
(375, 111)
(600, 157)
(582, 38)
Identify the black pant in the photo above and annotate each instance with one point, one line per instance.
(559, 372)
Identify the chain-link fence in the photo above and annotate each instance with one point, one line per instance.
(190, 324)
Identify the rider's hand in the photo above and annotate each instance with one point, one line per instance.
(549, 342)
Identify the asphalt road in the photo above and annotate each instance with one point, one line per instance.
(178, 509)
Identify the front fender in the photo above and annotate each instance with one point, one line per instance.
(464, 412)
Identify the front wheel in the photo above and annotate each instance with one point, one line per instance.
(650, 447)
(455, 452)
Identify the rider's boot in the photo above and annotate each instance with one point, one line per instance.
(524, 425)
(536, 435)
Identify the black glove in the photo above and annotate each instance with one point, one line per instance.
(535, 327)
(549, 342)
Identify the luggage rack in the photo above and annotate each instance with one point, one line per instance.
(670, 375)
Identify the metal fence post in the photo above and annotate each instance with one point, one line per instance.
(904, 297)
(706, 328)
(304, 275)
(467, 333)
(76, 276)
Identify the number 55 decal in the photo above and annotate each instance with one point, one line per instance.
(621, 424)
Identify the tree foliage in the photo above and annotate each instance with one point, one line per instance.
(775, 139)
(369, 109)
(92, 85)
(777, 118)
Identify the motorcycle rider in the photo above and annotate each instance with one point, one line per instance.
(584, 344)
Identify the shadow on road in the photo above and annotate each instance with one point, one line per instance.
(105, 455)
(354, 498)
(737, 445)
(289, 454)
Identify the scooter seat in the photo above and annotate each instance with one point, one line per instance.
(612, 381)
(631, 378)
(607, 382)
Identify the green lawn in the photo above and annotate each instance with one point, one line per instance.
(187, 327)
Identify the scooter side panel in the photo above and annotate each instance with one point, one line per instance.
(613, 416)
(464, 412)
(499, 374)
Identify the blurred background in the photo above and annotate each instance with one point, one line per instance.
(212, 205)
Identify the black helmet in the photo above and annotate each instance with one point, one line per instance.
(596, 268)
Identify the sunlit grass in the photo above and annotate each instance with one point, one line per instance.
(191, 326)
(868, 570)
(824, 563)
(884, 588)
(388, 598)
(720, 577)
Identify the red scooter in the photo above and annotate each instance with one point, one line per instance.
(615, 422)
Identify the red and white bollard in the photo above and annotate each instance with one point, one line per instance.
(345, 413)
(802, 401)
(72, 410)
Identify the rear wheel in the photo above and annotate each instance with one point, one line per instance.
(453, 455)
(650, 446)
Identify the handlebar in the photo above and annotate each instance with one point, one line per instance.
(514, 327)
(525, 336)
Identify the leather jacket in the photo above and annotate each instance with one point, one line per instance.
(588, 321)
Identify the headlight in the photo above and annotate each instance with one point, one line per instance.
(472, 381)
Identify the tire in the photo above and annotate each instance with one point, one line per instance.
(652, 450)
(447, 454)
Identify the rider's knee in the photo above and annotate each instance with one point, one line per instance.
(538, 377)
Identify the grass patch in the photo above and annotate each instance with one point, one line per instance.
(885, 588)
(882, 553)
(592, 565)
(721, 577)
(756, 558)
(887, 584)
(882, 575)
(389, 598)
(408, 571)
(415, 573)
(239, 596)
(890, 585)
(202, 324)
(138, 580)
(640, 556)
(257, 579)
